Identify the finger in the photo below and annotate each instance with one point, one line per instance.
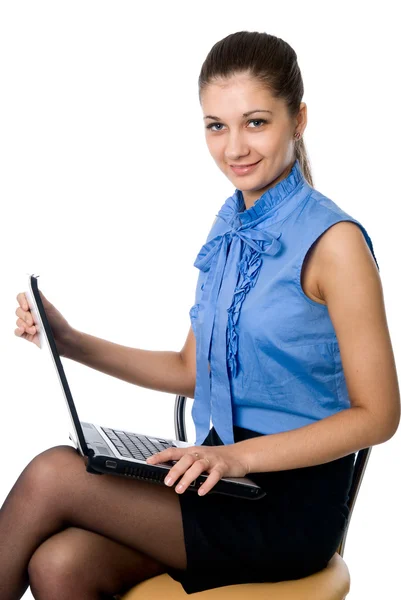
(21, 298)
(214, 476)
(185, 462)
(169, 454)
(201, 465)
(22, 325)
(25, 316)
(160, 456)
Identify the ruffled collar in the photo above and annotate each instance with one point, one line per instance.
(273, 204)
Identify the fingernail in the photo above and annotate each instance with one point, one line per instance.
(168, 480)
(179, 487)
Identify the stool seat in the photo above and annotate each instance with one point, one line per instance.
(331, 583)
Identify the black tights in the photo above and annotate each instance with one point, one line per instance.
(71, 534)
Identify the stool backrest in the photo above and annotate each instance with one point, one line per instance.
(361, 461)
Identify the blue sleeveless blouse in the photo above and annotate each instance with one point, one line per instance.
(267, 356)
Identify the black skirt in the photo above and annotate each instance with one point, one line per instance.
(292, 532)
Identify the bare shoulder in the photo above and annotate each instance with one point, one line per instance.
(339, 242)
(343, 248)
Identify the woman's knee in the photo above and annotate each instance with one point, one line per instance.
(56, 567)
(50, 467)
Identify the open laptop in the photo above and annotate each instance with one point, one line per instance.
(118, 452)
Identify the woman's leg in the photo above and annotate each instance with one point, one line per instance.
(82, 565)
(55, 492)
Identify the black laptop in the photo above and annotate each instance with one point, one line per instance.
(116, 451)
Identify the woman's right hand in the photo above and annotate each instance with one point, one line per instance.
(62, 330)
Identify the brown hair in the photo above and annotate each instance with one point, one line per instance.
(271, 61)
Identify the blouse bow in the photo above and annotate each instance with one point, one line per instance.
(221, 256)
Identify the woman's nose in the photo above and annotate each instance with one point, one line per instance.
(236, 148)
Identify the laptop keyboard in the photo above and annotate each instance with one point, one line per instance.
(133, 445)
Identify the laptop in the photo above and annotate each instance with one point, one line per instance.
(116, 451)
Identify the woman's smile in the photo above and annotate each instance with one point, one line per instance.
(244, 169)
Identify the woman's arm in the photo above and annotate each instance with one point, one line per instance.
(350, 285)
(161, 370)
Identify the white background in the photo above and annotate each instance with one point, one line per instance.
(108, 192)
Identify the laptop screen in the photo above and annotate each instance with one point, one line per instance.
(46, 338)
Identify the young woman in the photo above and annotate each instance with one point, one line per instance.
(288, 354)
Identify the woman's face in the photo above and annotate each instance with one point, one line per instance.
(235, 138)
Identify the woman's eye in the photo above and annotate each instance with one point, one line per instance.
(212, 125)
(263, 121)
(257, 121)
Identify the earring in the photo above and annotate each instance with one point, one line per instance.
(297, 135)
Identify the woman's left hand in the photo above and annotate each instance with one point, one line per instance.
(218, 461)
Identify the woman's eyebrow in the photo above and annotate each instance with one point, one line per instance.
(246, 114)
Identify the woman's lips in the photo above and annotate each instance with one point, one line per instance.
(244, 170)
